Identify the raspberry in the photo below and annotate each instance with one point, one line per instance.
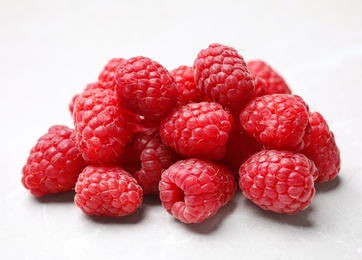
(197, 129)
(193, 190)
(54, 163)
(278, 121)
(107, 191)
(275, 82)
(260, 85)
(155, 158)
(323, 150)
(220, 71)
(109, 70)
(145, 87)
(98, 84)
(103, 127)
(239, 147)
(187, 89)
(279, 181)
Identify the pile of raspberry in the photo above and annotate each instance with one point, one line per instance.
(193, 136)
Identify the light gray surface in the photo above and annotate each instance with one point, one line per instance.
(49, 50)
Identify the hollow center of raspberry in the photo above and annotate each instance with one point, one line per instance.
(179, 194)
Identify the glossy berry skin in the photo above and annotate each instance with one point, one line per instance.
(323, 149)
(107, 191)
(54, 163)
(221, 72)
(188, 91)
(278, 121)
(193, 190)
(102, 126)
(109, 70)
(275, 83)
(145, 87)
(278, 181)
(197, 129)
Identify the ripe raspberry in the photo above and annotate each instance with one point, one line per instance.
(187, 89)
(275, 82)
(98, 84)
(145, 87)
(279, 181)
(239, 148)
(54, 163)
(221, 72)
(323, 150)
(109, 70)
(260, 85)
(278, 121)
(197, 129)
(107, 191)
(103, 127)
(193, 190)
(155, 158)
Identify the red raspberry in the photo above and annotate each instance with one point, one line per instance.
(54, 163)
(275, 82)
(193, 190)
(98, 84)
(323, 150)
(155, 158)
(103, 127)
(109, 70)
(260, 85)
(197, 129)
(239, 147)
(278, 121)
(145, 87)
(107, 191)
(187, 89)
(221, 72)
(279, 181)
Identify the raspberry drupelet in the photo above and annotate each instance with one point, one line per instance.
(54, 163)
(279, 181)
(193, 190)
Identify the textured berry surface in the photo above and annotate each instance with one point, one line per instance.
(145, 87)
(278, 121)
(323, 149)
(188, 91)
(221, 72)
(54, 163)
(107, 191)
(239, 148)
(193, 190)
(275, 83)
(155, 158)
(103, 127)
(279, 181)
(198, 129)
(260, 85)
(90, 86)
(109, 70)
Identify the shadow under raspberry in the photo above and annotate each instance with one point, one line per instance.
(329, 185)
(65, 197)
